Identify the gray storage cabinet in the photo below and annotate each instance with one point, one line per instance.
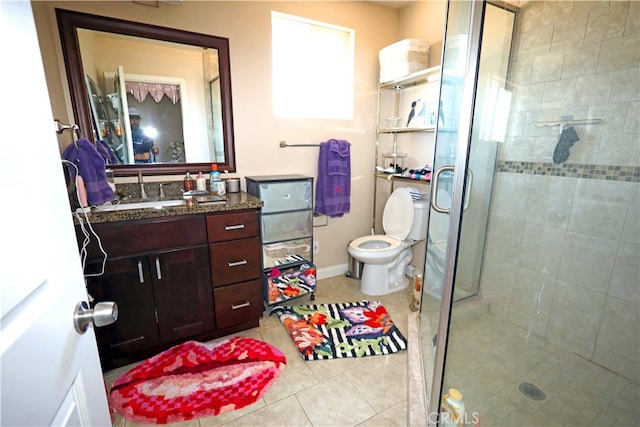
(286, 222)
(286, 217)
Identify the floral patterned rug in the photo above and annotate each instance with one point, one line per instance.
(194, 380)
(353, 329)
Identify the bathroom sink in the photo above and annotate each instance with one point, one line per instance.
(152, 204)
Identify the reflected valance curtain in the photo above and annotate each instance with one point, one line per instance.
(140, 91)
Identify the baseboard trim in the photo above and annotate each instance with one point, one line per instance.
(331, 271)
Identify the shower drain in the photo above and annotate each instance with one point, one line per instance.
(531, 391)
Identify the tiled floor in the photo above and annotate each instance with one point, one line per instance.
(368, 391)
(488, 360)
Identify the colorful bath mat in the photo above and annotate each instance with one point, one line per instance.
(194, 380)
(353, 329)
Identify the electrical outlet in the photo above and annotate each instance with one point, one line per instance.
(316, 247)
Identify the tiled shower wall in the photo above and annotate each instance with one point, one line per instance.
(563, 246)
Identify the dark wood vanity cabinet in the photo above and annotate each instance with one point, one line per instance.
(234, 251)
(174, 279)
(162, 298)
(158, 273)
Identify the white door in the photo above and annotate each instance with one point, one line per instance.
(50, 374)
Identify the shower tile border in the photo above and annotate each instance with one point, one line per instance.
(572, 170)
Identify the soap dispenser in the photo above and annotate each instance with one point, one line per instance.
(201, 182)
(188, 182)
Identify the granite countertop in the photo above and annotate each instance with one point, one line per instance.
(235, 201)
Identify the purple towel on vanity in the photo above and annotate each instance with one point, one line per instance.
(333, 186)
(91, 167)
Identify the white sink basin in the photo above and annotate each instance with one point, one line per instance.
(153, 204)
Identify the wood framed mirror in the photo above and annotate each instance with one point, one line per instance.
(217, 135)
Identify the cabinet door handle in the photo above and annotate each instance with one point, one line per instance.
(237, 263)
(241, 305)
(158, 271)
(233, 227)
(140, 272)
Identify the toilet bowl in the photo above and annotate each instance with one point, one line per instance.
(385, 257)
(437, 247)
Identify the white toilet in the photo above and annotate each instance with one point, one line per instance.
(437, 247)
(386, 257)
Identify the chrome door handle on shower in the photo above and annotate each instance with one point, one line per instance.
(467, 194)
(434, 189)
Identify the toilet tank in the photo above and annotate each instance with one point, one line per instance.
(420, 216)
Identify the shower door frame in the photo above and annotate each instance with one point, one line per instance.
(463, 143)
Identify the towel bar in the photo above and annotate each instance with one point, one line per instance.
(284, 144)
(571, 122)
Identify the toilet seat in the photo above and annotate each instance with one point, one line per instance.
(397, 220)
(378, 243)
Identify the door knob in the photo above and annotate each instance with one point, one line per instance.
(102, 314)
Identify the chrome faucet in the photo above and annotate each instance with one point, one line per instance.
(143, 194)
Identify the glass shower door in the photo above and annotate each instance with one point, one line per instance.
(552, 336)
(474, 102)
(450, 187)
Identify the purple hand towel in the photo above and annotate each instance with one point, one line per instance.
(91, 167)
(106, 152)
(333, 186)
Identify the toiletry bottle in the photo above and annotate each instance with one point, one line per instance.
(215, 177)
(452, 411)
(188, 182)
(417, 288)
(201, 182)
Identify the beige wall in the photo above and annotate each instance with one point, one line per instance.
(425, 20)
(257, 131)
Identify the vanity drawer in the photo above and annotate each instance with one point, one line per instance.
(232, 226)
(239, 303)
(233, 262)
(124, 238)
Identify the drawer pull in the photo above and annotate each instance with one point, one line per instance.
(140, 273)
(158, 269)
(237, 263)
(243, 305)
(233, 227)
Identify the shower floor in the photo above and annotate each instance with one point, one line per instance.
(488, 359)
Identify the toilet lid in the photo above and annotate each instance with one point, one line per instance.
(397, 217)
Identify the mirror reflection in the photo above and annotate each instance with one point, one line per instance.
(170, 86)
(176, 83)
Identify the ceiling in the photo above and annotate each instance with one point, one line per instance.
(392, 3)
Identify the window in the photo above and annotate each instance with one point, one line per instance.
(312, 68)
